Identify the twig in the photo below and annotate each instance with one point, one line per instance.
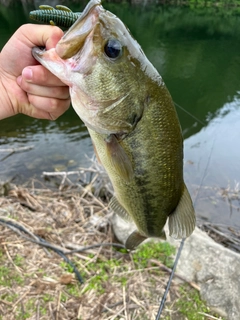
(124, 302)
(60, 173)
(68, 173)
(111, 306)
(21, 298)
(117, 245)
(58, 305)
(6, 302)
(13, 150)
(209, 316)
(9, 257)
(163, 267)
(222, 234)
(116, 314)
(38, 310)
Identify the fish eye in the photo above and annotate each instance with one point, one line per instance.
(113, 49)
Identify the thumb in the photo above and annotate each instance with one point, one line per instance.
(42, 35)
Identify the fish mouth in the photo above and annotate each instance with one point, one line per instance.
(66, 56)
(74, 39)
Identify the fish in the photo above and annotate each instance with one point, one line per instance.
(132, 121)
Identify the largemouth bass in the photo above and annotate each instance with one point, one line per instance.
(131, 119)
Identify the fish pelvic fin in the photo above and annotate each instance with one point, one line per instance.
(119, 209)
(134, 240)
(183, 220)
(162, 235)
(119, 159)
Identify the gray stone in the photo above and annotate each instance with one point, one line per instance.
(214, 268)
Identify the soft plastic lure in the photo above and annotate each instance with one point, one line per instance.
(60, 16)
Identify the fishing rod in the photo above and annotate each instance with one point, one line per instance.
(163, 300)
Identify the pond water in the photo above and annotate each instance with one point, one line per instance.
(196, 50)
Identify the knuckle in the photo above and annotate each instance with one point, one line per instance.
(45, 74)
(26, 86)
(54, 104)
(57, 31)
(61, 93)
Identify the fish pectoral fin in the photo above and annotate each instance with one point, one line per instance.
(119, 159)
(162, 235)
(134, 240)
(182, 221)
(96, 153)
(118, 209)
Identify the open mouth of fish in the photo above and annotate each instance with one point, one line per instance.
(74, 39)
(81, 61)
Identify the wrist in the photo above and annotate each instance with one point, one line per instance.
(6, 109)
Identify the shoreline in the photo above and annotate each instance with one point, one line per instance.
(75, 215)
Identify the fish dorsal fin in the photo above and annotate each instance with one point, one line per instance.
(182, 221)
(118, 209)
(134, 240)
(119, 159)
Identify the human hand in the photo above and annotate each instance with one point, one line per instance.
(25, 85)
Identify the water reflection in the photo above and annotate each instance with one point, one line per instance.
(212, 168)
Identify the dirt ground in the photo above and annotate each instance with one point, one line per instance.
(41, 227)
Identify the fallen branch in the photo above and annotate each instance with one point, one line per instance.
(60, 173)
(68, 173)
(20, 149)
(163, 267)
(14, 150)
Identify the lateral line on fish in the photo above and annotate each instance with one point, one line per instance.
(190, 114)
(160, 310)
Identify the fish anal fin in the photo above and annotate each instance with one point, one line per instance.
(182, 221)
(134, 240)
(119, 209)
(119, 159)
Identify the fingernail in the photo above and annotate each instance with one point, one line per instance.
(27, 74)
(19, 80)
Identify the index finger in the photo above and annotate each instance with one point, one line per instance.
(41, 76)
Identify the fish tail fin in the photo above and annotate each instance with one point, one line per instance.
(182, 221)
(134, 240)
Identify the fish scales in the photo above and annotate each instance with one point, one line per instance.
(131, 119)
(145, 195)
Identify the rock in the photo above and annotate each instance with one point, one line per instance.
(214, 268)
(121, 228)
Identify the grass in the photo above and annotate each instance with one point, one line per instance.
(36, 283)
(190, 305)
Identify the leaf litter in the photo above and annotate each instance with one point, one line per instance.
(69, 211)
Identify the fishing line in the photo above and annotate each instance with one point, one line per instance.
(190, 114)
(160, 310)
